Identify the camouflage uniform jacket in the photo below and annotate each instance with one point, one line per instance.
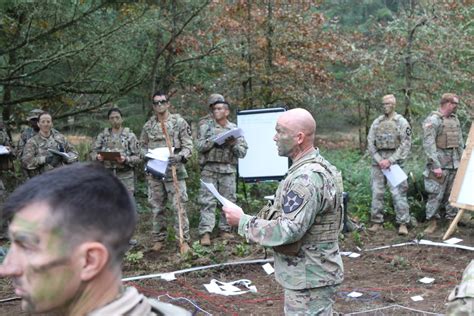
(466, 287)
(447, 158)
(179, 133)
(132, 303)
(36, 151)
(126, 143)
(219, 158)
(402, 138)
(26, 134)
(308, 193)
(4, 138)
(6, 161)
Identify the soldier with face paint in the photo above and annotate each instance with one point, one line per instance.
(389, 142)
(303, 224)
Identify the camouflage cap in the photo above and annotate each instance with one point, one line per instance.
(215, 98)
(34, 114)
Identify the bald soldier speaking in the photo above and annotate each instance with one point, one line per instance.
(303, 224)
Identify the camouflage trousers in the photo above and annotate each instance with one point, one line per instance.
(399, 197)
(225, 184)
(127, 177)
(159, 192)
(438, 194)
(461, 306)
(316, 301)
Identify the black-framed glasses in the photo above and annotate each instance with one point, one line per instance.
(159, 102)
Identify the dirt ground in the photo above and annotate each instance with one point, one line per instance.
(387, 278)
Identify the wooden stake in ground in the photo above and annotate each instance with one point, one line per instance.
(177, 194)
(454, 224)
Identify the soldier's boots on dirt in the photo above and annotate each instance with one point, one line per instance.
(157, 246)
(184, 248)
(206, 239)
(227, 235)
(402, 230)
(432, 226)
(375, 228)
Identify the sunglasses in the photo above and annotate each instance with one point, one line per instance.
(160, 102)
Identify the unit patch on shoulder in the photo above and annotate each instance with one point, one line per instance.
(291, 202)
(408, 131)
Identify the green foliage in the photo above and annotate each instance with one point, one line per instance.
(357, 238)
(399, 263)
(134, 258)
(242, 249)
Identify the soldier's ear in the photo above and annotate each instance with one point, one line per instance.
(93, 258)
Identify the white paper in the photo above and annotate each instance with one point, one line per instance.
(235, 132)
(229, 288)
(453, 241)
(157, 165)
(218, 196)
(4, 150)
(59, 153)
(268, 268)
(354, 294)
(416, 298)
(426, 280)
(395, 175)
(159, 153)
(168, 276)
(354, 255)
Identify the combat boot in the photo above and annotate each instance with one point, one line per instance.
(402, 230)
(432, 226)
(184, 248)
(375, 227)
(206, 239)
(157, 246)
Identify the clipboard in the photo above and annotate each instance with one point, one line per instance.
(110, 155)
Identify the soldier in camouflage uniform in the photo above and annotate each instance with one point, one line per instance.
(303, 224)
(218, 166)
(443, 144)
(118, 139)
(5, 164)
(37, 157)
(162, 189)
(28, 133)
(389, 142)
(461, 299)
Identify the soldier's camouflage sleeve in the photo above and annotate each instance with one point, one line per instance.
(144, 140)
(401, 153)
(30, 159)
(134, 158)
(371, 142)
(291, 227)
(21, 143)
(97, 146)
(205, 135)
(71, 151)
(430, 127)
(240, 148)
(185, 138)
(461, 141)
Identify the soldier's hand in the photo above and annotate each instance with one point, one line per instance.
(231, 141)
(438, 172)
(385, 164)
(174, 160)
(233, 214)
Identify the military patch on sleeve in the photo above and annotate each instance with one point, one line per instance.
(188, 130)
(291, 202)
(408, 131)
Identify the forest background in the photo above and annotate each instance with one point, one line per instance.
(334, 58)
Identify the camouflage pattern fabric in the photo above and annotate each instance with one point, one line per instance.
(445, 158)
(159, 192)
(5, 141)
(36, 152)
(126, 143)
(307, 194)
(218, 166)
(162, 190)
(26, 134)
(316, 301)
(461, 299)
(395, 156)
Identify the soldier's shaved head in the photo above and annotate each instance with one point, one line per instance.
(299, 120)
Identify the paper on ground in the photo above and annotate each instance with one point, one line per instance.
(159, 153)
(395, 175)
(355, 294)
(426, 280)
(453, 241)
(350, 254)
(416, 298)
(168, 276)
(4, 150)
(268, 268)
(218, 196)
(229, 288)
(235, 132)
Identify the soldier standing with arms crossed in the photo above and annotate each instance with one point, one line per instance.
(159, 190)
(218, 166)
(443, 144)
(389, 142)
(306, 220)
